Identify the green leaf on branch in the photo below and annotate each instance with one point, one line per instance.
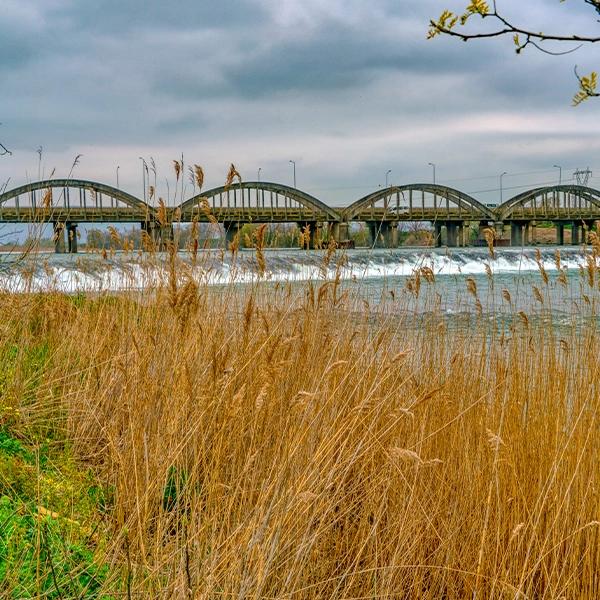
(446, 22)
(588, 88)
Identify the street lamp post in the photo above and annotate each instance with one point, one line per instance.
(387, 174)
(559, 173)
(293, 162)
(118, 167)
(144, 171)
(432, 165)
(501, 176)
(259, 170)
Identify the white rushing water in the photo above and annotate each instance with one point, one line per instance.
(92, 273)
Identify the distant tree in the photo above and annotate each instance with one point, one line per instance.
(452, 24)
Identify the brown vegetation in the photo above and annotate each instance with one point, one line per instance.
(279, 442)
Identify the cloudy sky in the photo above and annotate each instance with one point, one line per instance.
(346, 88)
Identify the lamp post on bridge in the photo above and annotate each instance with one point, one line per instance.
(501, 176)
(293, 162)
(258, 173)
(559, 173)
(387, 174)
(118, 167)
(432, 165)
(144, 171)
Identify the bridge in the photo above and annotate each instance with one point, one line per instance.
(451, 214)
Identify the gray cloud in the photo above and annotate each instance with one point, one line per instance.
(349, 88)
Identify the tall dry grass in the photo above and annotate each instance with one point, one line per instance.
(273, 441)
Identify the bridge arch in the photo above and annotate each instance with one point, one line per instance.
(466, 206)
(552, 202)
(78, 203)
(241, 198)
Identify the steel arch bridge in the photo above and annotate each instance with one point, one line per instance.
(417, 202)
(71, 200)
(67, 202)
(552, 203)
(257, 201)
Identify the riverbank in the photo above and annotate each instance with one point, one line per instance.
(277, 442)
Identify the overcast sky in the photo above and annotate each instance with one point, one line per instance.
(346, 88)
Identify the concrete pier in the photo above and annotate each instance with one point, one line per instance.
(340, 231)
(560, 233)
(59, 237)
(516, 233)
(72, 237)
(576, 234)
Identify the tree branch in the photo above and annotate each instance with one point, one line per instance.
(446, 24)
(509, 29)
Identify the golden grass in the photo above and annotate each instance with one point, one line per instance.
(280, 442)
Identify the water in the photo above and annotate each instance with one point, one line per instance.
(375, 274)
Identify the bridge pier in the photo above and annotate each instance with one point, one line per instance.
(151, 228)
(232, 231)
(166, 236)
(560, 233)
(59, 237)
(532, 235)
(340, 232)
(452, 234)
(393, 235)
(465, 234)
(72, 237)
(516, 234)
(437, 232)
(376, 233)
(383, 234)
(575, 233)
(314, 233)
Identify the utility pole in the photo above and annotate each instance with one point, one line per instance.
(582, 177)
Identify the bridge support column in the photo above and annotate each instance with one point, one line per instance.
(533, 233)
(312, 234)
(232, 230)
(587, 227)
(382, 234)
(72, 237)
(59, 237)
(340, 232)
(393, 235)
(452, 234)
(152, 231)
(166, 235)
(560, 233)
(499, 229)
(376, 233)
(465, 235)
(516, 234)
(575, 233)
(437, 232)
